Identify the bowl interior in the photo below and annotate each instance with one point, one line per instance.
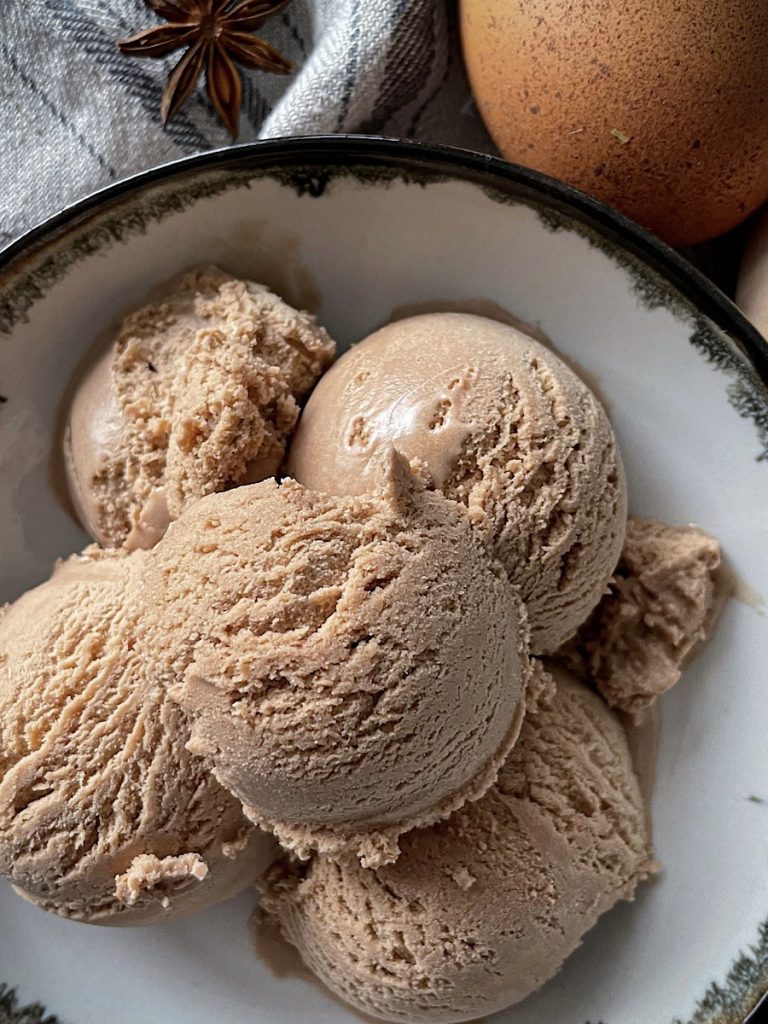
(358, 245)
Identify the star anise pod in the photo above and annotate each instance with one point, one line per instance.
(216, 34)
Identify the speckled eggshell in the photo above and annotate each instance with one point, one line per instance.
(752, 286)
(658, 108)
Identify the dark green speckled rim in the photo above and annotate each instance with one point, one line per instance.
(309, 164)
(330, 155)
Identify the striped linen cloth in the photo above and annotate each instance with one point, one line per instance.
(76, 114)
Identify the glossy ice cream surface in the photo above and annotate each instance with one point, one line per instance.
(494, 420)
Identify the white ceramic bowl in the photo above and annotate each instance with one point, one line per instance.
(355, 229)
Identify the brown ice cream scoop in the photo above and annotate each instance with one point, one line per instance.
(105, 816)
(482, 909)
(199, 391)
(354, 667)
(660, 608)
(494, 420)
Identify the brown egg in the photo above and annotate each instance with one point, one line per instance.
(659, 107)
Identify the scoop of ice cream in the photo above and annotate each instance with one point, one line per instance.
(354, 667)
(482, 909)
(497, 422)
(659, 610)
(104, 814)
(198, 392)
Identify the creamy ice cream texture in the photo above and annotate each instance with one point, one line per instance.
(199, 391)
(105, 816)
(480, 910)
(344, 660)
(659, 610)
(353, 667)
(494, 420)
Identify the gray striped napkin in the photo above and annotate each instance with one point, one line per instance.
(75, 113)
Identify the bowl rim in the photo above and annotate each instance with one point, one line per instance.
(509, 179)
(506, 178)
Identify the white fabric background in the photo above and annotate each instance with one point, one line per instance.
(75, 113)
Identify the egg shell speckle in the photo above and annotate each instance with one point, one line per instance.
(658, 108)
